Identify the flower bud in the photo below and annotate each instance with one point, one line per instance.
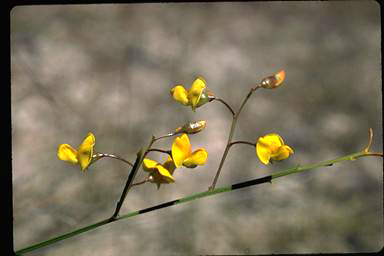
(192, 128)
(271, 82)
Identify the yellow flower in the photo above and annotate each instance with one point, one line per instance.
(271, 147)
(82, 156)
(182, 153)
(180, 94)
(196, 96)
(160, 173)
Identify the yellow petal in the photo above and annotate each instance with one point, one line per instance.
(165, 175)
(181, 149)
(66, 153)
(198, 157)
(169, 165)
(284, 153)
(180, 94)
(263, 152)
(149, 165)
(85, 151)
(195, 92)
(272, 141)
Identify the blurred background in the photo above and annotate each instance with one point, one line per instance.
(108, 69)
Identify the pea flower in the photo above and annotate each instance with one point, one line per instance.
(182, 153)
(196, 96)
(271, 82)
(160, 173)
(271, 147)
(83, 155)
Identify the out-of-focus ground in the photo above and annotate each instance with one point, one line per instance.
(109, 68)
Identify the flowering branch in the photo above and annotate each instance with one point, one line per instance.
(266, 179)
(231, 132)
(270, 82)
(270, 147)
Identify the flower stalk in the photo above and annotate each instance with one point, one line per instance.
(98, 156)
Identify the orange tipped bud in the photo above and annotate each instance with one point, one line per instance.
(271, 82)
(192, 128)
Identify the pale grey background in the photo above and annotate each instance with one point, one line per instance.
(109, 68)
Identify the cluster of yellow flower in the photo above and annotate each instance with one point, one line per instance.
(182, 155)
(269, 148)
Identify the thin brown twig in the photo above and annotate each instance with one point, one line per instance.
(242, 142)
(169, 152)
(101, 155)
(226, 104)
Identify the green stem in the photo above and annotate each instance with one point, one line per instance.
(63, 237)
(131, 177)
(297, 169)
(258, 181)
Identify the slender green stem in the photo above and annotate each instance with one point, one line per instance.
(195, 196)
(230, 136)
(101, 155)
(131, 177)
(128, 184)
(64, 236)
(296, 169)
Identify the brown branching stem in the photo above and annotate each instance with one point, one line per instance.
(231, 133)
(226, 104)
(169, 152)
(141, 182)
(98, 156)
(131, 177)
(242, 142)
